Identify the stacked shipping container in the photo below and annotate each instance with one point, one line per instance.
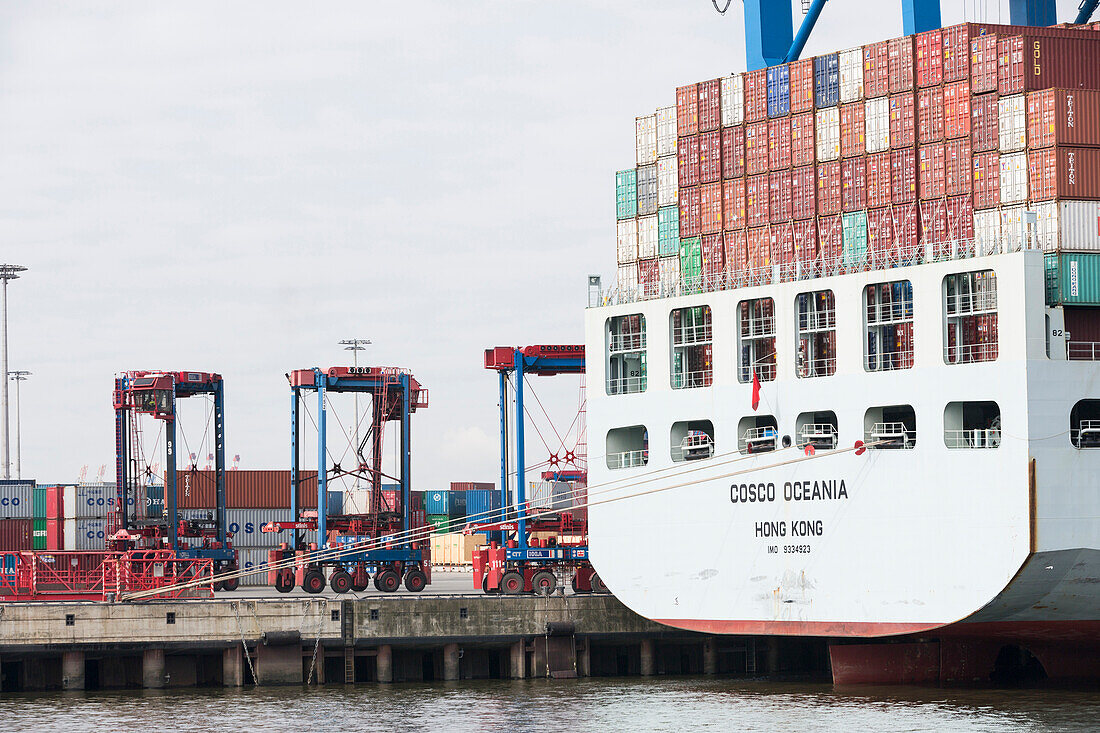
(892, 152)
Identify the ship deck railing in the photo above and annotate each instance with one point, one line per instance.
(819, 435)
(692, 335)
(1083, 350)
(889, 361)
(628, 459)
(758, 328)
(923, 253)
(970, 353)
(891, 435)
(822, 367)
(626, 342)
(691, 380)
(760, 440)
(972, 438)
(694, 447)
(626, 385)
(1086, 434)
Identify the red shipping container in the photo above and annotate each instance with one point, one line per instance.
(55, 502)
(714, 258)
(931, 177)
(956, 109)
(756, 148)
(687, 161)
(830, 233)
(1031, 61)
(782, 243)
(779, 196)
(779, 143)
(902, 120)
(759, 248)
(903, 175)
(16, 534)
(880, 237)
(960, 217)
(689, 212)
(987, 180)
(804, 237)
(879, 175)
(55, 534)
(930, 115)
(687, 110)
(710, 156)
(710, 208)
(984, 126)
(455, 486)
(649, 277)
(956, 52)
(876, 70)
(710, 110)
(736, 250)
(733, 151)
(933, 226)
(803, 192)
(1063, 172)
(756, 95)
(828, 188)
(983, 64)
(733, 203)
(852, 140)
(853, 174)
(1063, 117)
(756, 200)
(929, 58)
(802, 139)
(900, 51)
(905, 230)
(247, 489)
(957, 167)
(802, 85)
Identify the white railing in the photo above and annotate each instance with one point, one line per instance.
(628, 459)
(970, 353)
(959, 249)
(755, 328)
(691, 335)
(819, 435)
(1083, 350)
(691, 380)
(889, 361)
(894, 433)
(627, 342)
(765, 370)
(822, 367)
(974, 438)
(625, 385)
(760, 440)
(976, 303)
(1087, 434)
(824, 320)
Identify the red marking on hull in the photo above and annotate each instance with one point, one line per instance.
(799, 628)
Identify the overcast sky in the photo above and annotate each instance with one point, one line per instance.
(235, 187)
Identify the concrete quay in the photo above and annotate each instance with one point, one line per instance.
(376, 639)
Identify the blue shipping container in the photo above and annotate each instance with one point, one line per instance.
(444, 501)
(481, 504)
(827, 80)
(779, 90)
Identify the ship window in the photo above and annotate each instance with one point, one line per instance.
(627, 447)
(816, 334)
(626, 372)
(970, 308)
(692, 440)
(890, 427)
(817, 429)
(757, 434)
(691, 347)
(972, 425)
(888, 333)
(1084, 424)
(756, 337)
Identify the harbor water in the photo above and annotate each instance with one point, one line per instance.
(603, 705)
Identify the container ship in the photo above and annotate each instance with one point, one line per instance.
(849, 362)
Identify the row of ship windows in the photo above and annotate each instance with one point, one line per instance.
(970, 314)
(890, 427)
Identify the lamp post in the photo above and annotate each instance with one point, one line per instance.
(7, 272)
(17, 377)
(355, 346)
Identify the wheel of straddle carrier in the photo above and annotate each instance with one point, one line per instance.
(415, 581)
(313, 582)
(340, 581)
(230, 584)
(597, 584)
(511, 583)
(360, 587)
(284, 581)
(544, 582)
(387, 581)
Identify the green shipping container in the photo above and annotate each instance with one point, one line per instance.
(38, 537)
(38, 500)
(441, 522)
(1073, 278)
(668, 231)
(626, 194)
(854, 238)
(691, 264)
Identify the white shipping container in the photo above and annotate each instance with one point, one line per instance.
(647, 236)
(627, 281)
(1013, 178)
(96, 499)
(668, 181)
(550, 495)
(357, 501)
(1069, 226)
(732, 100)
(987, 226)
(827, 133)
(851, 75)
(646, 139)
(16, 499)
(626, 241)
(666, 131)
(877, 116)
(91, 534)
(68, 534)
(1013, 227)
(253, 557)
(68, 502)
(1012, 123)
(668, 272)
